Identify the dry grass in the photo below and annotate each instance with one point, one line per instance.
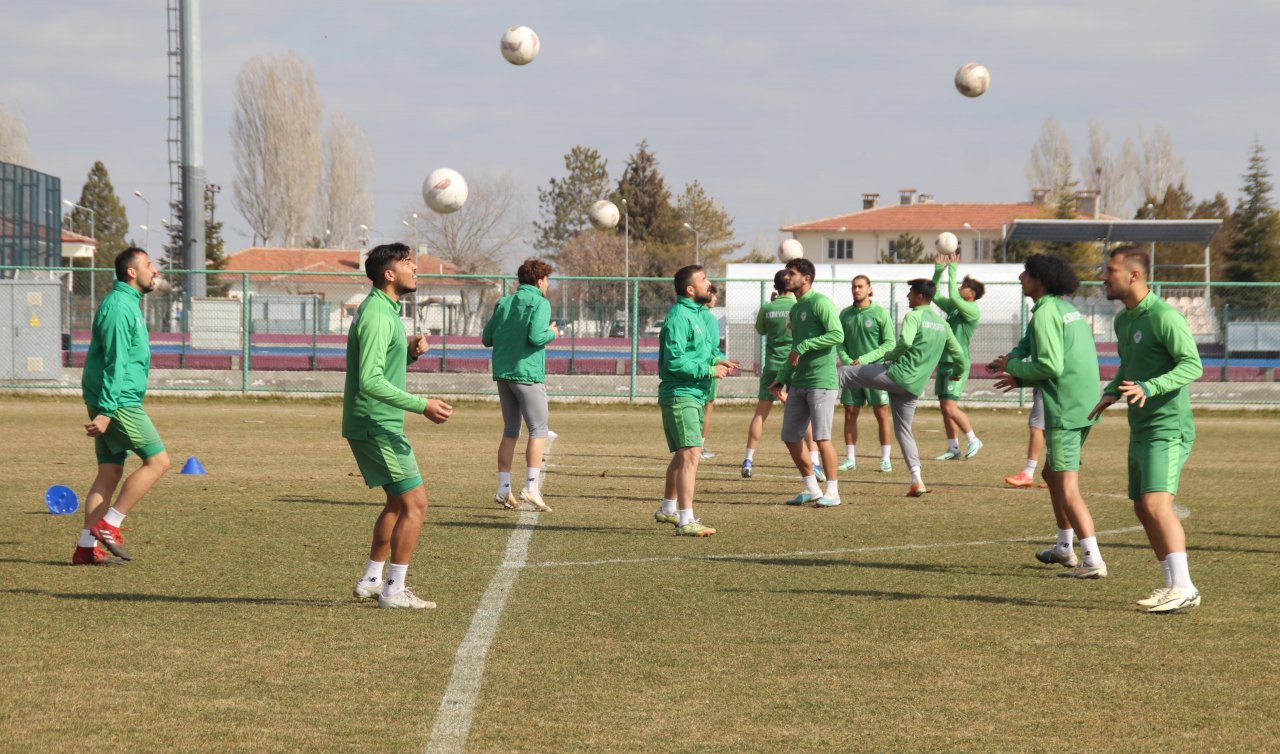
(233, 631)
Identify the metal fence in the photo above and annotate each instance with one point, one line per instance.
(274, 332)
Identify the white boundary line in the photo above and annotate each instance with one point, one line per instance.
(457, 707)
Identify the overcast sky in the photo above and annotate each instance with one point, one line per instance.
(784, 111)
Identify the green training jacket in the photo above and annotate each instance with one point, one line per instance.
(1157, 352)
(921, 344)
(815, 334)
(685, 352)
(374, 399)
(1060, 358)
(868, 334)
(119, 359)
(771, 322)
(962, 315)
(518, 332)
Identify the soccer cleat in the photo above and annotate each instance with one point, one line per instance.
(973, 449)
(917, 490)
(110, 538)
(707, 455)
(804, 498)
(93, 556)
(848, 464)
(885, 466)
(507, 501)
(827, 502)
(950, 455)
(694, 528)
(367, 589)
(1020, 480)
(746, 469)
(1051, 555)
(665, 518)
(1085, 572)
(1153, 599)
(404, 598)
(1176, 599)
(819, 474)
(534, 500)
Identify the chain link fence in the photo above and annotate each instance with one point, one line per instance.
(274, 332)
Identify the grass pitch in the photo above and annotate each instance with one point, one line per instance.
(887, 624)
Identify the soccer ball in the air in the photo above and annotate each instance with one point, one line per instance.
(444, 191)
(790, 249)
(946, 243)
(604, 215)
(972, 79)
(520, 45)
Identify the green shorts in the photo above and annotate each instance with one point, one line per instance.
(682, 422)
(945, 387)
(1156, 464)
(130, 429)
(767, 376)
(1062, 448)
(861, 396)
(387, 461)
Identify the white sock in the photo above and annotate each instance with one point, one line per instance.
(1030, 468)
(668, 507)
(87, 539)
(1065, 537)
(396, 574)
(373, 570)
(1089, 546)
(953, 444)
(531, 479)
(833, 489)
(915, 475)
(113, 517)
(851, 452)
(971, 435)
(1168, 577)
(686, 516)
(704, 443)
(884, 452)
(811, 484)
(750, 453)
(816, 458)
(1178, 571)
(504, 482)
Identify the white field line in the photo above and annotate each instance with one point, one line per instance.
(453, 719)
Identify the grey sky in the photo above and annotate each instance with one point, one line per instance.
(784, 112)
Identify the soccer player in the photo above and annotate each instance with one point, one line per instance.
(773, 322)
(712, 328)
(962, 317)
(518, 332)
(373, 405)
(686, 366)
(1035, 444)
(113, 384)
(1158, 359)
(868, 336)
(905, 370)
(1057, 355)
(808, 378)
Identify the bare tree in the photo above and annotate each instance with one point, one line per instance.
(1050, 163)
(1158, 167)
(1114, 175)
(275, 139)
(344, 202)
(13, 138)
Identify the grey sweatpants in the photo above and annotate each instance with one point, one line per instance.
(901, 402)
(527, 401)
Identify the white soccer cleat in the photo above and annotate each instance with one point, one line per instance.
(1175, 600)
(1083, 571)
(367, 589)
(534, 500)
(404, 598)
(1153, 599)
(507, 501)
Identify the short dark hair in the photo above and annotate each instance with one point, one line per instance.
(532, 271)
(1054, 273)
(383, 256)
(856, 277)
(923, 287)
(974, 285)
(802, 266)
(780, 281)
(125, 260)
(1134, 255)
(684, 278)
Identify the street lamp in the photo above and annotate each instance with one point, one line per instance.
(1151, 215)
(93, 263)
(978, 256)
(146, 227)
(626, 270)
(697, 244)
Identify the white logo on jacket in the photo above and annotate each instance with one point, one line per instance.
(1137, 337)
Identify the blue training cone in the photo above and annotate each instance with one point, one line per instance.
(61, 499)
(193, 467)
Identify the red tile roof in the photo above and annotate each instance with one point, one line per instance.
(69, 237)
(258, 258)
(930, 216)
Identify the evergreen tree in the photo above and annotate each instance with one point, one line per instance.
(214, 244)
(713, 224)
(654, 224)
(905, 249)
(1254, 254)
(109, 221)
(565, 201)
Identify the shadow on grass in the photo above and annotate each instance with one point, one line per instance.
(309, 500)
(986, 599)
(1025, 572)
(541, 526)
(1191, 548)
(165, 598)
(36, 562)
(1210, 533)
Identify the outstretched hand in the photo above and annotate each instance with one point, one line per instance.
(1133, 392)
(1006, 382)
(1103, 405)
(997, 365)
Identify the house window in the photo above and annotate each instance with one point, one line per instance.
(839, 248)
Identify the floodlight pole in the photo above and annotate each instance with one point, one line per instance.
(626, 270)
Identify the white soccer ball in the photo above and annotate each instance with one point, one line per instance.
(520, 45)
(445, 190)
(604, 215)
(972, 79)
(790, 249)
(946, 243)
